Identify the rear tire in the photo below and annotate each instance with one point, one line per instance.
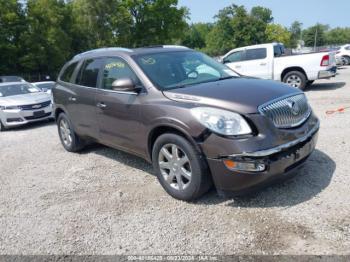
(295, 79)
(181, 169)
(69, 139)
(347, 60)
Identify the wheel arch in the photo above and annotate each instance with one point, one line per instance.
(168, 128)
(293, 68)
(58, 111)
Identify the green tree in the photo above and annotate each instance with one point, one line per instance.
(262, 13)
(46, 43)
(156, 22)
(100, 23)
(195, 35)
(338, 36)
(295, 30)
(278, 33)
(315, 32)
(236, 27)
(12, 24)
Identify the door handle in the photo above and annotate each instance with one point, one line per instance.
(238, 66)
(101, 105)
(71, 98)
(263, 64)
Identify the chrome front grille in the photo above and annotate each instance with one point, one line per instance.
(287, 112)
(35, 106)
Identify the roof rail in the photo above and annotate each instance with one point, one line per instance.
(165, 46)
(175, 46)
(103, 49)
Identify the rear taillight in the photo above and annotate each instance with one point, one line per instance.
(325, 60)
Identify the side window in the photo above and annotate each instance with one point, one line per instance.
(88, 72)
(254, 54)
(235, 57)
(116, 68)
(348, 47)
(277, 51)
(68, 72)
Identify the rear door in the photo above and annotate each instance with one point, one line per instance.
(82, 100)
(118, 112)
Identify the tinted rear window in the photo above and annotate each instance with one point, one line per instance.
(68, 72)
(88, 73)
(253, 54)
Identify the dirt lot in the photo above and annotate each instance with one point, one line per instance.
(104, 201)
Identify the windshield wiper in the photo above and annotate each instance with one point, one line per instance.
(227, 77)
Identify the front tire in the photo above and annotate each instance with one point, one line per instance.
(2, 127)
(69, 139)
(180, 168)
(295, 79)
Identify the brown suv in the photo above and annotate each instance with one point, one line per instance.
(194, 119)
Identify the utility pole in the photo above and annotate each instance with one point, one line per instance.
(315, 43)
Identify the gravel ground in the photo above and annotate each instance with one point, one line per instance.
(103, 201)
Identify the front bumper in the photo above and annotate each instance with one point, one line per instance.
(280, 163)
(17, 117)
(327, 73)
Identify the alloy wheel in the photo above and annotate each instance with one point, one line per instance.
(65, 132)
(294, 81)
(175, 166)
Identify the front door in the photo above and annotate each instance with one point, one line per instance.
(118, 113)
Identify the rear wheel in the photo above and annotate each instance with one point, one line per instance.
(69, 139)
(295, 79)
(347, 60)
(180, 168)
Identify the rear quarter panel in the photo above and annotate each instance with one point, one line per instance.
(310, 63)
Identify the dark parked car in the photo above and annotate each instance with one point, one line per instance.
(195, 119)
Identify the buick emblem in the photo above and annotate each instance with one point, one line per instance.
(36, 106)
(294, 107)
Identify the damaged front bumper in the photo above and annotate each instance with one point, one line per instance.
(243, 172)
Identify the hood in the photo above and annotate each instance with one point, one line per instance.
(242, 95)
(26, 99)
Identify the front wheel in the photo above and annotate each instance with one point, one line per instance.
(180, 168)
(2, 127)
(295, 79)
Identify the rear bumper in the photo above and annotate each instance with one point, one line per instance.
(281, 162)
(327, 73)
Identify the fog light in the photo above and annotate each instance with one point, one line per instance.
(244, 166)
(10, 120)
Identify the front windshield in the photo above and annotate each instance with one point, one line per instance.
(18, 89)
(169, 70)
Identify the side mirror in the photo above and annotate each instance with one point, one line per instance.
(124, 85)
(225, 61)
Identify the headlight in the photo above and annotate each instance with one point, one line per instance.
(221, 121)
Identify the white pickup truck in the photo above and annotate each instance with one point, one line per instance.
(269, 61)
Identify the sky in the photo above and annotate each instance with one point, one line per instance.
(335, 13)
